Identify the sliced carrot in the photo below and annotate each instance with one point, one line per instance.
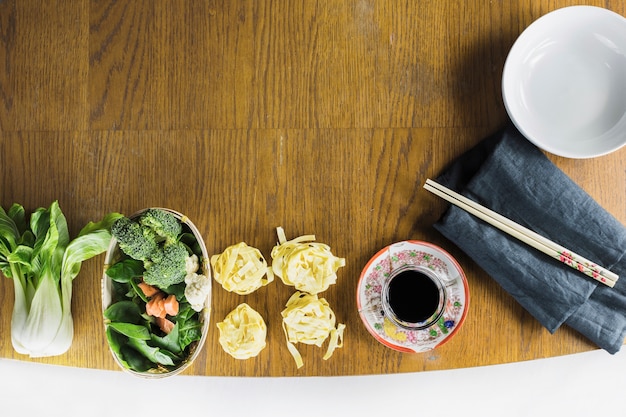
(156, 306)
(148, 289)
(171, 305)
(164, 324)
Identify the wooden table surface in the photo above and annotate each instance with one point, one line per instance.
(323, 117)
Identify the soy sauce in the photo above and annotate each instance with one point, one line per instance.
(413, 296)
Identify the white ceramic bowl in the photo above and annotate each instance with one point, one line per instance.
(564, 82)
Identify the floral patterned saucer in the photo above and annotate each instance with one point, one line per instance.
(369, 297)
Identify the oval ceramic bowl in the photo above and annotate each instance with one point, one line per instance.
(424, 255)
(113, 255)
(564, 82)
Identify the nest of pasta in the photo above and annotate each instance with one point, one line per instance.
(308, 266)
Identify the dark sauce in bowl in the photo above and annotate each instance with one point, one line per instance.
(413, 296)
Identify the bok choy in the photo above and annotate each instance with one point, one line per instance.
(39, 256)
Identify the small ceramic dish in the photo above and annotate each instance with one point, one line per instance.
(420, 255)
(564, 82)
(189, 354)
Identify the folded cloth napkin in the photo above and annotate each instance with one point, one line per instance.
(509, 175)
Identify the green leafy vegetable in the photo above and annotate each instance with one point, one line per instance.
(124, 311)
(135, 359)
(153, 354)
(136, 338)
(190, 327)
(125, 270)
(116, 341)
(169, 341)
(133, 331)
(43, 262)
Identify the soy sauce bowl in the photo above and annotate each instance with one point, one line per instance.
(423, 267)
(114, 255)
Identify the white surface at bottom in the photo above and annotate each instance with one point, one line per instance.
(587, 384)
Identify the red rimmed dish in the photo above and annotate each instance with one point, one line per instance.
(372, 302)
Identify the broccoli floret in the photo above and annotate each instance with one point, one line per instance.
(162, 223)
(134, 240)
(168, 267)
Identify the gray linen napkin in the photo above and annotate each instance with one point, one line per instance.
(509, 175)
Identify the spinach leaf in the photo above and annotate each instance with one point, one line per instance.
(176, 358)
(189, 334)
(124, 311)
(136, 361)
(133, 331)
(177, 289)
(125, 270)
(169, 341)
(191, 242)
(185, 311)
(116, 341)
(153, 354)
(119, 291)
(190, 328)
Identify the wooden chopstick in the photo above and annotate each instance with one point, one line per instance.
(524, 234)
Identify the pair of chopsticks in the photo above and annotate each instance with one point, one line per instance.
(524, 234)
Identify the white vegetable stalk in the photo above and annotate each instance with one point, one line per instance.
(43, 263)
(41, 324)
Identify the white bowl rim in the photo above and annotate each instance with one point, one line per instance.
(584, 12)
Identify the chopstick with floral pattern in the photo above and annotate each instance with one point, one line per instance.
(524, 234)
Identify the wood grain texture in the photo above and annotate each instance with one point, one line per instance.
(43, 61)
(323, 117)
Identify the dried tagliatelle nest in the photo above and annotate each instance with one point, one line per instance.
(307, 265)
(310, 320)
(241, 269)
(243, 332)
